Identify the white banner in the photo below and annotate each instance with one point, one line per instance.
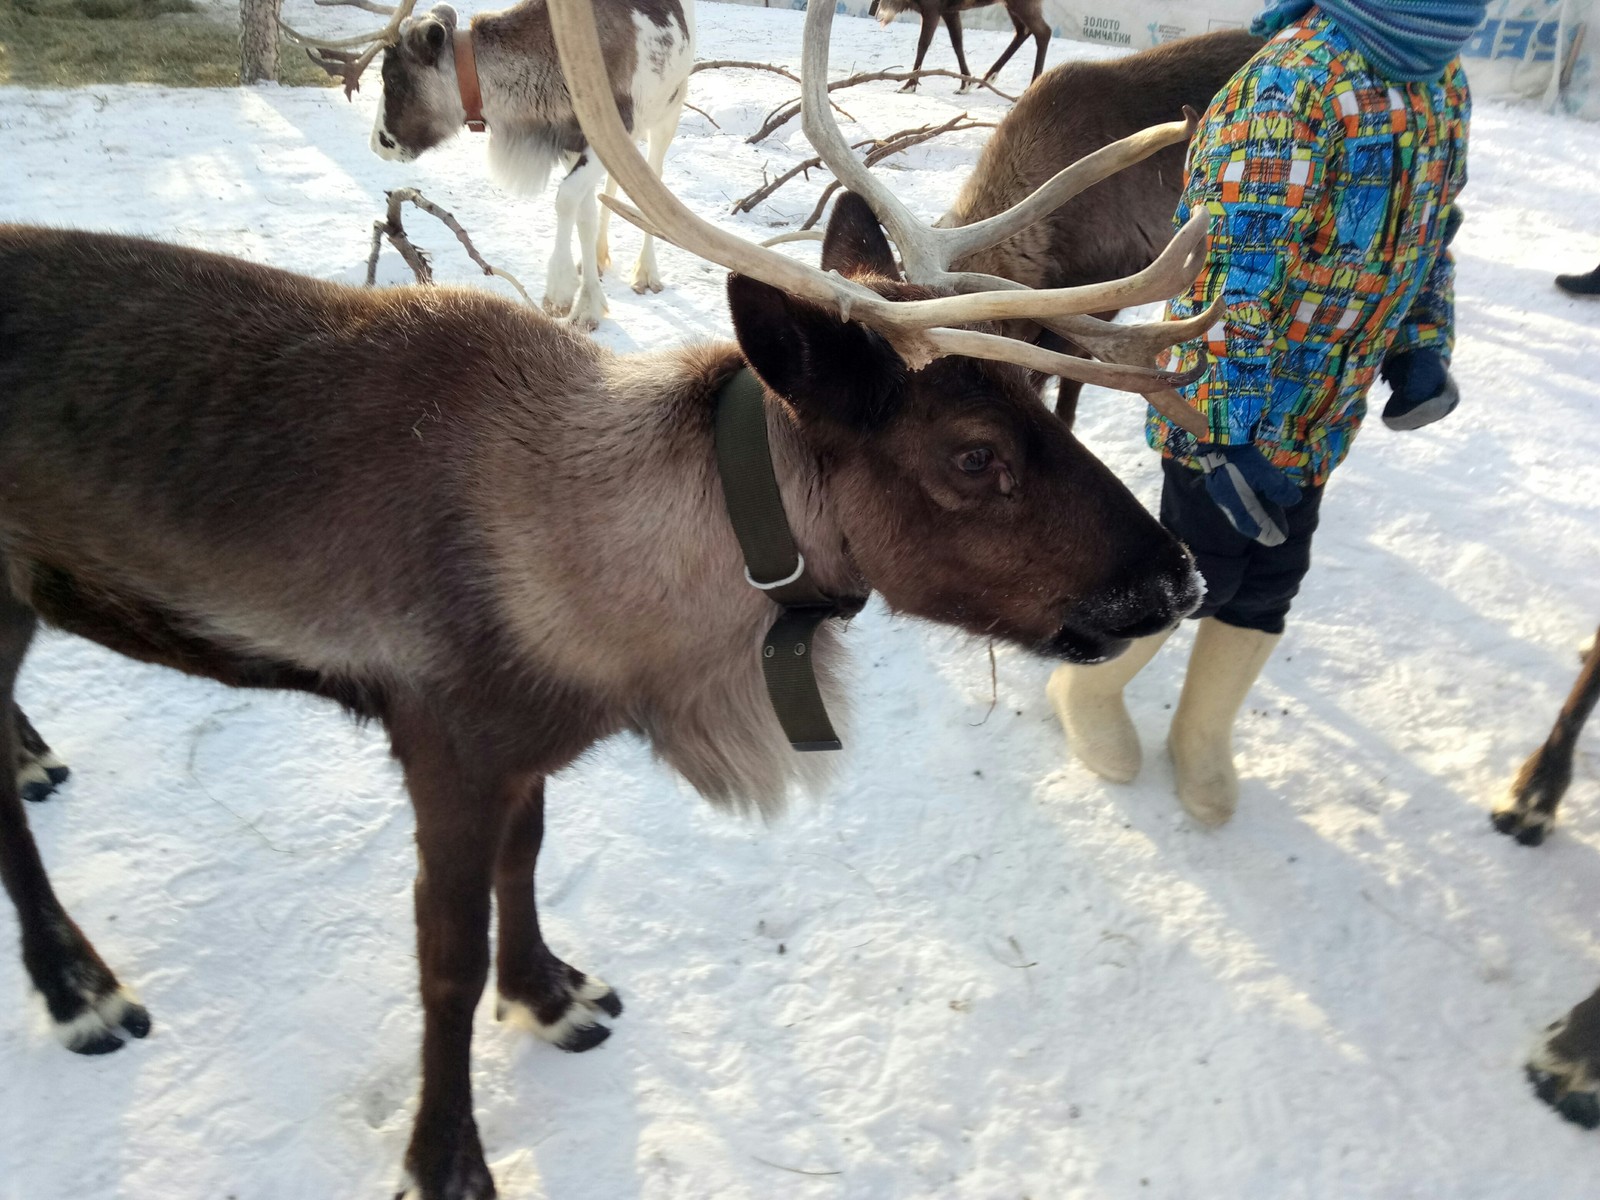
(1525, 48)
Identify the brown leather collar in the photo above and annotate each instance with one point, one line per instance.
(467, 81)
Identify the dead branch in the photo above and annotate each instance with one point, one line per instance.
(745, 65)
(718, 64)
(703, 113)
(877, 150)
(783, 114)
(389, 226)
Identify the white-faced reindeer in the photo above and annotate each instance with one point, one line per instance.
(502, 73)
(1565, 1069)
(509, 579)
(1027, 19)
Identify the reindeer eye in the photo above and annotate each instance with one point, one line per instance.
(975, 462)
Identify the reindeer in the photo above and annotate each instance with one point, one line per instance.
(505, 543)
(1565, 1068)
(502, 73)
(1072, 111)
(1027, 17)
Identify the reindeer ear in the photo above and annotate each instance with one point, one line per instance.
(428, 38)
(828, 369)
(855, 244)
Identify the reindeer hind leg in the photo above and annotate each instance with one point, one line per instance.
(92, 1012)
(646, 273)
(39, 771)
(559, 1003)
(1565, 1067)
(1538, 788)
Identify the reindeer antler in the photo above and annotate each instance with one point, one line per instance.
(918, 329)
(336, 56)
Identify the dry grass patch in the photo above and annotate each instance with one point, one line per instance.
(68, 43)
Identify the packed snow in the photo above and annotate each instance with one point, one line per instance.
(974, 969)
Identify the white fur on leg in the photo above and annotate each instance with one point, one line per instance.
(589, 305)
(646, 274)
(103, 1018)
(33, 772)
(572, 1026)
(561, 276)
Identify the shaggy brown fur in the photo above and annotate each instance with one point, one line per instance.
(504, 543)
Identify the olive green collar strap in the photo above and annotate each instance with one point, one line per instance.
(774, 564)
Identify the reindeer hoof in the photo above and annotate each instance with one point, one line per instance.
(555, 308)
(99, 1027)
(1528, 826)
(1568, 1083)
(909, 85)
(38, 778)
(646, 285)
(567, 1019)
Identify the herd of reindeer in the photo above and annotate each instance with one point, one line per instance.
(509, 589)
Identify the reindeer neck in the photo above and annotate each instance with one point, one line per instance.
(518, 71)
(678, 389)
(618, 568)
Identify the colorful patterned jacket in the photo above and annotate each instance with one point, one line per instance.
(1332, 193)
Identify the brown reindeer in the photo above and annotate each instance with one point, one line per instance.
(1027, 18)
(1565, 1069)
(1072, 111)
(504, 543)
(499, 72)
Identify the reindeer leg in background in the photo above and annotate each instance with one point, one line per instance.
(1041, 37)
(577, 195)
(930, 22)
(1021, 32)
(1565, 1069)
(461, 804)
(561, 277)
(646, 274)
(39, 772)
(952, 22)
(92, 1012)
(1543, 780)
(557, 1002)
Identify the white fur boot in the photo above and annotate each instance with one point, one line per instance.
(1222, 666)
(1088, 700)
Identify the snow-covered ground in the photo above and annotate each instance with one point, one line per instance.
(974, 970)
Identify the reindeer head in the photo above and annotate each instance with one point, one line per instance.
(421, 98)
(963, 500)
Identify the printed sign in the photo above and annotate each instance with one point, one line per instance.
(1535, 49)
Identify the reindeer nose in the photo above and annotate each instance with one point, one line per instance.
(1144, 602)
(385, 146)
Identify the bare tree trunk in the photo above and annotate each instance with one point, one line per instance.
(258, 40)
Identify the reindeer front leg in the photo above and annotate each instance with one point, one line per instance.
(557, 1002)
(930, 22)
(578, 190)
(646, 274)
(460, 805)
